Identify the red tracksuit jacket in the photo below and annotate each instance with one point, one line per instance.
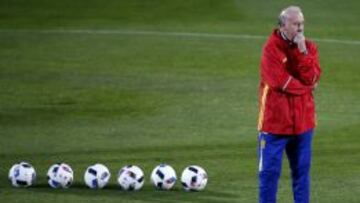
(287, 82)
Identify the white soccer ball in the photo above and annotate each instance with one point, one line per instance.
(22, 175)
(60, 175)
(194, 178)
(97, 176)
(51, 174)
(131, 178)
(163, 177)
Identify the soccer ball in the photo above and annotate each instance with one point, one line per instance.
(131, 178)
(51, 174)
(60, 175)
(163, 177)
(97, 176)
(22, 175)
(194, 178)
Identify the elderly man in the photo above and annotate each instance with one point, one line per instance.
(289, 74)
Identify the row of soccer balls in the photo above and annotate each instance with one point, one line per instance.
(130, 177)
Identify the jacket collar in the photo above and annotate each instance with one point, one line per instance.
(282, 39)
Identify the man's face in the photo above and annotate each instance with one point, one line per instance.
(293, 25)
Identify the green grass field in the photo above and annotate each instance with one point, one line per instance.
(151, 81)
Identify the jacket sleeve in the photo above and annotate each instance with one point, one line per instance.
(274, 73)
(309, 68)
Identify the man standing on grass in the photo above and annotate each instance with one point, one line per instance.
(289, 73)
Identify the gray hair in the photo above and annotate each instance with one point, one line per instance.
(285, 13)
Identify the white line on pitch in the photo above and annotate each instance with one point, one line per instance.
(160, 33)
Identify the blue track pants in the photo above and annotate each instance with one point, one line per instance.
(298, 151)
